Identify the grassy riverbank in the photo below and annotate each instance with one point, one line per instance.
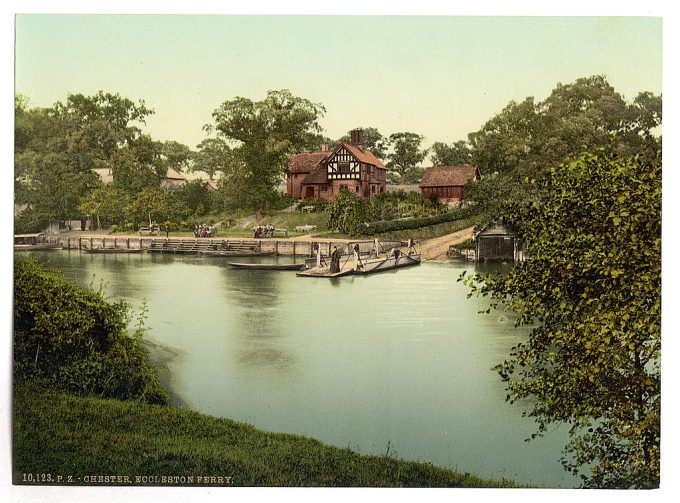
(61, 434)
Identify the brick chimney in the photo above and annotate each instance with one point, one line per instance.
(357, 136)
(324, 147)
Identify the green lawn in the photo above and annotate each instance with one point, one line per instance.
(61, 434)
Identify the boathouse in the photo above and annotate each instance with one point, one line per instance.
(323, 174)
(447, 183)
(498, 242)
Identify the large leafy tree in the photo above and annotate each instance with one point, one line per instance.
(528, 138)
(591, 291)
(457, 153)
(96, 126)
(264, 134)
(509, 139)
(57, 147)
(108, 203)
(406, 155)
(176, 155)
(214, 155)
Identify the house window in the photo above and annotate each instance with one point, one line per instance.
(372, 189)
(356, 188)
(343, 167)
(324, 188)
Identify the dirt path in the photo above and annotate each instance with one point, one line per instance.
(437, 248)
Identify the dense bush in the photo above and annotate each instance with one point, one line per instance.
(75, 340)
(347, 212)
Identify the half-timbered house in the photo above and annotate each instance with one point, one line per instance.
(447, 183)
(324, 174)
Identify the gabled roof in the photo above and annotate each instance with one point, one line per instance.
(318, 176)
(363, 155)
(306, 162)
(496, 229)
(173, 175)
(212, 184)
(447, 176)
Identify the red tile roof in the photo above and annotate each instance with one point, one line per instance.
(364, 155)
(448, 176)
(306, 162)
(318, 176)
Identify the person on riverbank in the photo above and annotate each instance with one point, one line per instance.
(335, 260)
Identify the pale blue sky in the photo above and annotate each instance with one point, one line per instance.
(442, 77)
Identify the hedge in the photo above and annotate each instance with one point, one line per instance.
(382, 226)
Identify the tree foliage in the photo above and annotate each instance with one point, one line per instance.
(450, 155)
(347, 213)
(529, 138)
(591, 290)
(406, 155)
(107, 204)
(214, 155)
(56, 149)
(176, 155)
(264, 134)
(73, 339)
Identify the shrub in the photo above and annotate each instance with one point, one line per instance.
(347, 213)
(75, 340)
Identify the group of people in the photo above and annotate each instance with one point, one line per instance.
(263, 231)
(204, 231)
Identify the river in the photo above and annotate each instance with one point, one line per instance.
(397, 362)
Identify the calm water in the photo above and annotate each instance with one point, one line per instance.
(400, 358)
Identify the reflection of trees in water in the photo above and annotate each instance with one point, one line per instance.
(262, 344)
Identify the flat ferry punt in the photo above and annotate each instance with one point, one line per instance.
(358, 265)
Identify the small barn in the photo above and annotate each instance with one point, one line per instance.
(447, 183)
(499, 242)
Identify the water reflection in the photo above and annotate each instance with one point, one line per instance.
(258, 325)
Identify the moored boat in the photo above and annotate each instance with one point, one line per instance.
(267, 267)
(35, 241)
